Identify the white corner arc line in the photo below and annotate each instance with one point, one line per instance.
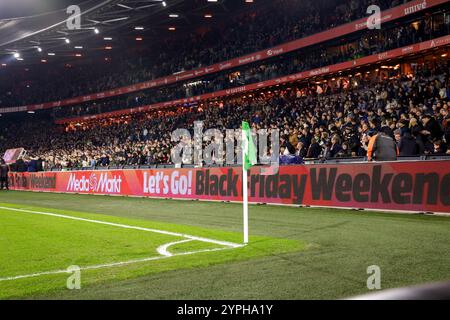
(222, 243)
(162, 250)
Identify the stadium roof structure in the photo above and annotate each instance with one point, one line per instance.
(34, 28)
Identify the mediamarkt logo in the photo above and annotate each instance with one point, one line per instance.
(92, 184)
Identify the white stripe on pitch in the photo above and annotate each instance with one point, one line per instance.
(110, 265)
(222, 243)
(161, 250)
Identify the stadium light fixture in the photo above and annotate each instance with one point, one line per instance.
(107, 38)
(96, 31)
(67, 40)
(173, 15)
(43, 61)
(212, 0)
(39, 49)
(172, 28)
(30, 112)
(208, 16)
(51, 54)
(164, 4)
(108, 48)
(138, 28)
(16, 55)
(78, 55)
(138, 39)
(78, 47)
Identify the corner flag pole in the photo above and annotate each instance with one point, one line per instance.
(245, 196)
(249, 159)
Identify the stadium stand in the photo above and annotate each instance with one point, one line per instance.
(372, 42)
(327, 117)
(336, 123)
(218, 44)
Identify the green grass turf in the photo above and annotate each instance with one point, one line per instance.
(327, 258)
(34, 243)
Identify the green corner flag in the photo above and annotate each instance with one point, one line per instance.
(249, 149)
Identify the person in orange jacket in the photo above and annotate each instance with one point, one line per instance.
(382, 147)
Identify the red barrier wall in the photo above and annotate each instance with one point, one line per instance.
(408, 186)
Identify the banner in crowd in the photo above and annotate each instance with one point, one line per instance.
(407, 186)
(11, 155)
(376, 58)
(361, 24)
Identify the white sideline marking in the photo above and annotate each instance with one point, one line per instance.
(161, 250)
(110, 265)
(222, 243)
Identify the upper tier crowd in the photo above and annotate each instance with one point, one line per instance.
(335, 121)
(278, 22)
(370, 42)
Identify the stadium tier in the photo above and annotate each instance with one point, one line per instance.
(255, 149)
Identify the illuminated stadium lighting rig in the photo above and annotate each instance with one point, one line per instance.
(96, 31)
(67, 40)
(107, 38)
(138, 28)
(78, 47)
(173, 15)
(39, 49)
(124, 6)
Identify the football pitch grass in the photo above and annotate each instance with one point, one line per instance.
(136, 248)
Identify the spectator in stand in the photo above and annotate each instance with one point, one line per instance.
(408, 145)
(21, 166)
(439, 148)
(4, 170)
(432, 129)
(315, 150)
(32, 164)
(382, 147)
(336, 147)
